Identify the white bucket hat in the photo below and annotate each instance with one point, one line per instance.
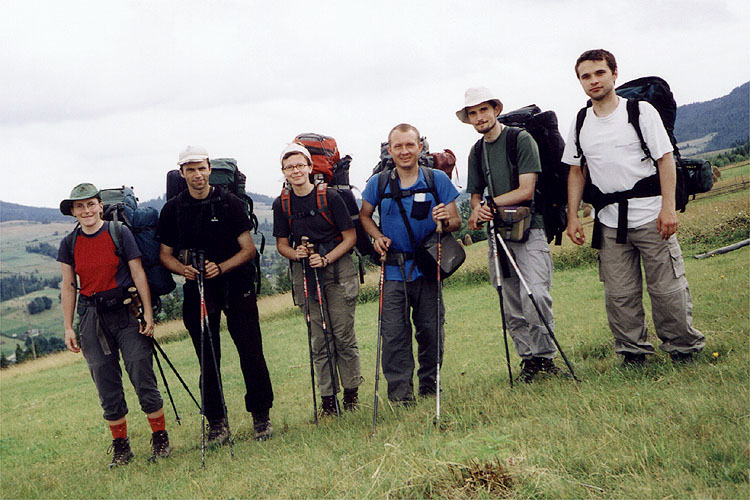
(191, 154)
(474, 96)
(295, 147)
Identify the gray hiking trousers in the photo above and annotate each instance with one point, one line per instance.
(671, 302)
(527, 330)
(339, 303)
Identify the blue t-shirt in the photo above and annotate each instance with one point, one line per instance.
(418, 209)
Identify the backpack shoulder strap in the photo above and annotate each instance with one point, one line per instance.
(115, 232)
(286, 199)
(70, 240)
(634, 115)
(321, 199)
(429, 178)
(580, 117)
(511, 153)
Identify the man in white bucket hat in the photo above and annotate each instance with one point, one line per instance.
(512, 185)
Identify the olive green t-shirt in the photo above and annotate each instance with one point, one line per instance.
(501, 169)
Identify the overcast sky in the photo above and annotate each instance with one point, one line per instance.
(110, 91)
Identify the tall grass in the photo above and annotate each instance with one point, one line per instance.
(665, 431)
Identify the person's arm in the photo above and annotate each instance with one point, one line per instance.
(575, 192)
(141, 284)
(349, 238)
(523, 193)
(667, 221)
(68, 299)
(168, 260)
(246, 253)
(380, 242)
(447, 215)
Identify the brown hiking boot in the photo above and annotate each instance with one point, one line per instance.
(328, 406)
(159, 446)
(351, 399)
(122, 454)
(218, 433)
(262, 426)
(529, 368)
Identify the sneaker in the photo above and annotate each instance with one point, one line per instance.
(633, 360)
(529, 368)
(547, 365)
(262, 426)
(328, 406)
(159, 446)
(122, 452)
(351, 399)
(218, 432)
(681, 357)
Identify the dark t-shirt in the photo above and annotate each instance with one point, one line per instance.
(95, 262)
(313, 226)
(212, 225)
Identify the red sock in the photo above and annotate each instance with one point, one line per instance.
(119, 431)
(157, 423)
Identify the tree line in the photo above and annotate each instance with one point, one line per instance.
(18, 285)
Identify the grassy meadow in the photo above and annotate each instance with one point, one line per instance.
(664, 431)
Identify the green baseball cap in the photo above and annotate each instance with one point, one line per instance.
(80, 192)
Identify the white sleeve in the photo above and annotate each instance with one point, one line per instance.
(654, 133)
(570, 152)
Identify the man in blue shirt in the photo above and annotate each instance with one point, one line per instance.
(405, 287)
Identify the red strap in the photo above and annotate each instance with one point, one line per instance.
(322, 199)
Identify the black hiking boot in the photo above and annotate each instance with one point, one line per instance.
(218, 433)
(529, 368)
(681, 357)
(122, 454)
(547, 365)
(631, 360)
(262, 426)
(328, 406)
(159, 446)
(351, 399)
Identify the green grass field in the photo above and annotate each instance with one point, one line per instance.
(664, 431)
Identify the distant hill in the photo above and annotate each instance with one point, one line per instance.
(726, 120)
(14, 211)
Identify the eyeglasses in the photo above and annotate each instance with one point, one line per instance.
(288, 168)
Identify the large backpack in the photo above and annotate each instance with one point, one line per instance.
(693, 176)
(332, 171)
(225, 175)
(551, 191)
(121, 207)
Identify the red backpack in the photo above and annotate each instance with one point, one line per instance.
(324, 152)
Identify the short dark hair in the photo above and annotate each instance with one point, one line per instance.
(208, 162)
(405, 127)
(597, 55)
(292, 153)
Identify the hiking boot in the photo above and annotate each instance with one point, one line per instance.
(681, 357)
(262, 426)
(159, 446)
(328, 407)
(529, 368)
(218, 432)
(633, 360)
(351, 399)
(122, 454)
(547, 365)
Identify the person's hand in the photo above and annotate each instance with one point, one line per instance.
(190, 273)
(317, 261)
(479, 216)
(212, 270)
(440, 214)
(381, 244)
(666, 223)
(575, 231)
(70, 340)
(147, 326)
(301, 252)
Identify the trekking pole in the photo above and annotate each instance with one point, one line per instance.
(309, 338)
(203, 367)
(513, 263)
(377, 353)
(205, 326)
(166, 386)
(492, 231)
(439, 230)
(306, 242)
(177, 374)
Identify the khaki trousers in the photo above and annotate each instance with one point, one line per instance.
(667, 286)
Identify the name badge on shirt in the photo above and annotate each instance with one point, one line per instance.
(420, 197)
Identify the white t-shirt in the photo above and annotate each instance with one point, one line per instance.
(615, 158)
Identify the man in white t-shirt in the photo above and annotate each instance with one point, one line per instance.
(615, 161)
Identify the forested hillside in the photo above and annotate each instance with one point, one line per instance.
(728, 117)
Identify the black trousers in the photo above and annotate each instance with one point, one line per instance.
(241, 311)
